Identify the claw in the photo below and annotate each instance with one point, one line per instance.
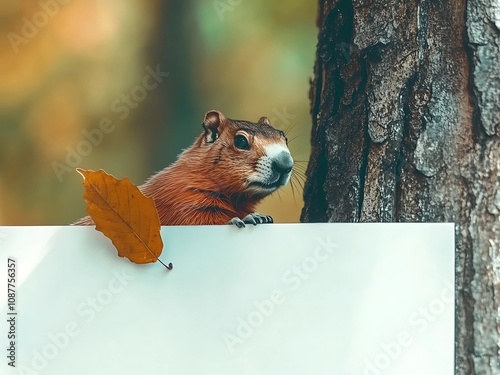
(238, 222)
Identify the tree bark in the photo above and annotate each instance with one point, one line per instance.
(405, 105)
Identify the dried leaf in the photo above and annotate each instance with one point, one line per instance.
(124, 215)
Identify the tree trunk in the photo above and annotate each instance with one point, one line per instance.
(405, 104)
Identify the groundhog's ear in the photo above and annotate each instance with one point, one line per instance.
(213, 125)
(264, 120)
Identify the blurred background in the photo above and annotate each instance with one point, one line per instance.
(124, 85)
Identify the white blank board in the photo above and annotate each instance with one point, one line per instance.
(363, 299)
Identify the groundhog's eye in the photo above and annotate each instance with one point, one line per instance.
(241, 142)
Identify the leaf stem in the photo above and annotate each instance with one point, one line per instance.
(169, 267)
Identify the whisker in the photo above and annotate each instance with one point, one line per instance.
(301, 183)
(299, 155)
(299, 175)
(288, 129)
(279, 195)
(293, 189)
(297, 137)
(300, 169)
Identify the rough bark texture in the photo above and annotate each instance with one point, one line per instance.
(406, 112)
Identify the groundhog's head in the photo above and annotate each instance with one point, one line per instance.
(245, 157)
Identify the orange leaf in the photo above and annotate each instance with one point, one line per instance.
(124, 215)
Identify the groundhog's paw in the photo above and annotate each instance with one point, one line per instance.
(238, 222)
(254, 219)
(257, 218)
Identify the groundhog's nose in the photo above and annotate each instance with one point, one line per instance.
(282, 162)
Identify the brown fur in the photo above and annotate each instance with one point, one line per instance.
(206, 185)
